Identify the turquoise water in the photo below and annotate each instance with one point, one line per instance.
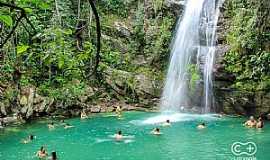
(92, 139)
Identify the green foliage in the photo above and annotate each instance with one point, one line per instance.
(157, 44)
(21, 49)
(249, 56)
(69, 91)
(157, 5)
(115, 6)
(194, 76)
(6, 19)
(50, 61)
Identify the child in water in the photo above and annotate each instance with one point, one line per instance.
(167, 123)
(156, 131)
(29, 139)
(201, 126)
(118, 136)
(51, 125)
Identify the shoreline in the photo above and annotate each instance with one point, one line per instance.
(55, 118)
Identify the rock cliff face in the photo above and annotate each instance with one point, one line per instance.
(135, 51)
(135, 54)
(231, 99)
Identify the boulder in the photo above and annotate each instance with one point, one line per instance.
(127, 83)
(9, 120)
(95, 109)
(122, 29)
(175, 5)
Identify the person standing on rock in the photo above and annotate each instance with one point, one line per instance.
(118, 111)
(83, 114)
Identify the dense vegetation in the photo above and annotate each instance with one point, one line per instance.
(249, 38)
(53, 50)
(57, 57)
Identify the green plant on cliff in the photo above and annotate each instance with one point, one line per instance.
(249, 56)
(194, 76)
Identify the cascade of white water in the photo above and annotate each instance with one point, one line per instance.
(211, 14)
(194, 36)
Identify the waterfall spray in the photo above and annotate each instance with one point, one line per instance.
(194, 37)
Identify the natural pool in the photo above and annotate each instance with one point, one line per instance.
(91, 139)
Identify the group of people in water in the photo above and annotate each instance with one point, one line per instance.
(253, 123)
(156, 131)
(62, 123)
(42, 153)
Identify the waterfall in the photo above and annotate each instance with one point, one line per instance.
(194, 37)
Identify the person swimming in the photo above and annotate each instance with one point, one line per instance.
(156, 131)
(29, 139)
(201, 126)
(251, 122)
(67, 125)
(54, 156)
(42, 153)
(62, 122)
(167, 123)
(260, 123)
(118, 136)
(83, 114)
(51, 125)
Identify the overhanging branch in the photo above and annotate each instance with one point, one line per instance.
(98, 30)
(23, 15)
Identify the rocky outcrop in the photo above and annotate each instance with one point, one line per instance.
(133, 85)
(242, 102)
(228, 99)
(176, 6)
(123, 29)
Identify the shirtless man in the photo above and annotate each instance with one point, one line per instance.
(251, 122)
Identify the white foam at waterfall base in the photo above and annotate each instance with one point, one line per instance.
(175, 117)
